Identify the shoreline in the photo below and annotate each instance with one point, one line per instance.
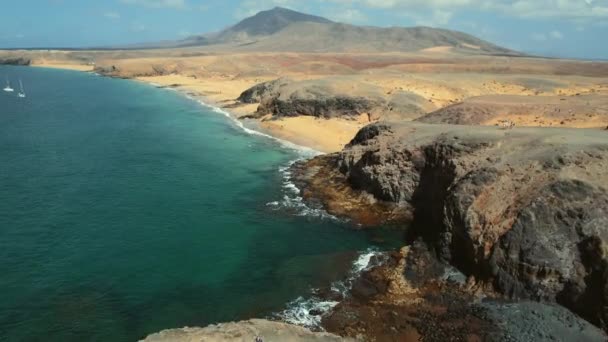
(305, 151)
(323, 135)
(310, 149)
(65, 66)
(307, 310)
(317, 134)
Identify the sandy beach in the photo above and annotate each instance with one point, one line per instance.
(66, 66)
(448, 88)
(324, 135)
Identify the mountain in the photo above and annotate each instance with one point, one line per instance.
(281, 29)
(338, 37)
(274, 20)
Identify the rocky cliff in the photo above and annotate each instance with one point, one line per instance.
(414, 297)
(525, 210)
(15, 61)
(262, 91)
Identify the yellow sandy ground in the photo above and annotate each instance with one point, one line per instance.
(325, 135)
(438, 76)
(77, 67)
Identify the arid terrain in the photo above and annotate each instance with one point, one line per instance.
(436, 86)
(494, 163)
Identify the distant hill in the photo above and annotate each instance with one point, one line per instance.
(281, 29)
(272, 21)
(337, 37)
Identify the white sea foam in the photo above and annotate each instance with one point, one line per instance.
(292, 201)
(308, 312)
(363, 261)
(302, 150)
(299, 311)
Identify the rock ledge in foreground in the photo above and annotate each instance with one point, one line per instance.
(245, 331)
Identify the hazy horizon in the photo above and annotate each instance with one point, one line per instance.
(564, 28)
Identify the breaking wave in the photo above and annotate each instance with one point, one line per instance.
(308, 312)
(292, 201)
(302, 150)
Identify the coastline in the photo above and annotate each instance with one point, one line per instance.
(307, 310)
(222, 101)
(303, 149)
(65, 66)
(323, 135)
(301, 133)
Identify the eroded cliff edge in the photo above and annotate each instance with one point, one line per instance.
(523, 211)
(245, 331)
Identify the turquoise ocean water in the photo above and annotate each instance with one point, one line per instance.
(126, 209)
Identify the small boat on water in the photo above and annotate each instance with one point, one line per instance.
(21, 91)
(8, 86)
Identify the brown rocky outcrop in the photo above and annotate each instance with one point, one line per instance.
(264, 90)
(15, 61)
(335, 97)
(414, 297)
(525, 210)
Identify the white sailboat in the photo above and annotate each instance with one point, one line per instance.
(21, 91)
(8, 86)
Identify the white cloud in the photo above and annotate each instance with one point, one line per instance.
(441, 12)
(541, 37)
(556, 35)
(176, 4)
(138, 27)
(349, 16)
(112, 15)
(565, 9)
(436, 18)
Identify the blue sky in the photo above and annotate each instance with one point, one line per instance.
(565, 28)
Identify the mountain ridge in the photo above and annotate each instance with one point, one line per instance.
(282, 29)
